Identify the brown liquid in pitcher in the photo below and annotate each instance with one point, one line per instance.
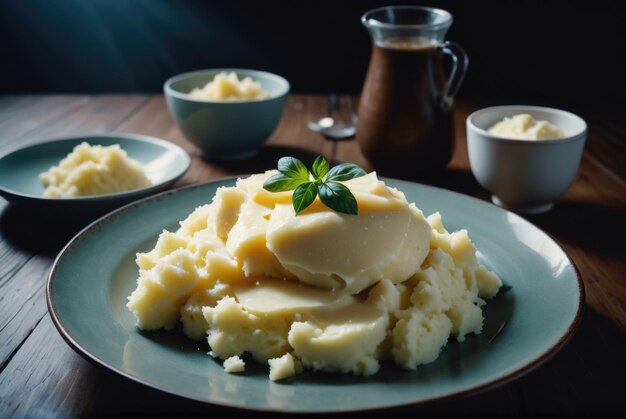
(402, 128)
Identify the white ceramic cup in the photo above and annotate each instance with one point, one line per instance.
(525, 176)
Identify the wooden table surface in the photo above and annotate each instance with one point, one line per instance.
(41, 376)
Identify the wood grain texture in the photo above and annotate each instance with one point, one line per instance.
(47, 117)
(21, 307)
(41, 376)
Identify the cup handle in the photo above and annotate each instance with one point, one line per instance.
(457, 74)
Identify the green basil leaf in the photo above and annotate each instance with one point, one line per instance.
(320, 167)
(293, 175)
(345, 171)
(303, 196)
(338, 198)
(279, 183)
(293, 168)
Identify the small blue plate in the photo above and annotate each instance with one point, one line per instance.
(163, 161)
(533, 316)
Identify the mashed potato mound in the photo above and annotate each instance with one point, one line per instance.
(234, 364)
(93, 170)
(525, 127)
(227, 86)
(319, 291)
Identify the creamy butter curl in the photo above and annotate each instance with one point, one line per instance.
(389, 239)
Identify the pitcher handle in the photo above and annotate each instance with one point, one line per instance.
(457, 74)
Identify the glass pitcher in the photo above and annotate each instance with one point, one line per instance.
(405, 124)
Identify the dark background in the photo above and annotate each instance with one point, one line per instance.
(559, 53)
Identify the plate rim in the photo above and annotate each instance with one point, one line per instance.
(106, 197)
(522, 370)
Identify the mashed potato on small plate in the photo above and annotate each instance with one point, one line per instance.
(94, 170)
(90, 179)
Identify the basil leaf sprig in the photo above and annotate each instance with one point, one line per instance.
(294, 175)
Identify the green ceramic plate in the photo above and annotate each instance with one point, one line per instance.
(533, 316)
(163, 161)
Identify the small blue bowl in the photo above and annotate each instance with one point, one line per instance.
(226, 130)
